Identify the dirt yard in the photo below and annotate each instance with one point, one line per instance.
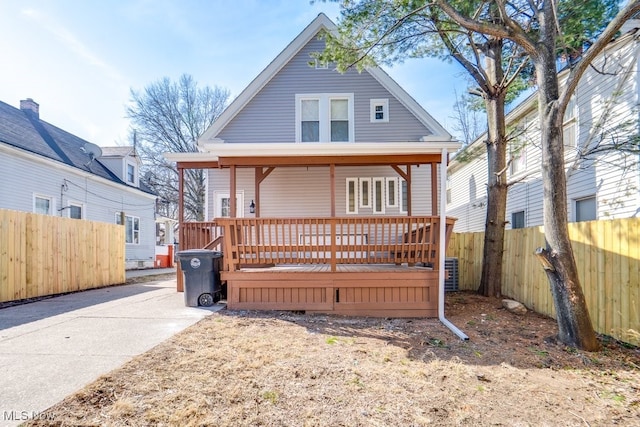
(291, 369)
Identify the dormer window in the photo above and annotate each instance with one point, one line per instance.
(131, 173)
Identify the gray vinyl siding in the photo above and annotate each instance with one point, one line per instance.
(306, 192)
(607, 104)
(27, 174)
(270, 115)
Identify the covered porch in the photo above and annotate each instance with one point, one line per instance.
(375, 265)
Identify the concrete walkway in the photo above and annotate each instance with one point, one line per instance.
(53, 347)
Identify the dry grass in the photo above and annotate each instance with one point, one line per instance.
(290, 369)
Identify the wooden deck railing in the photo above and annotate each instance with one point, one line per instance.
(202, 235)
(352, 240)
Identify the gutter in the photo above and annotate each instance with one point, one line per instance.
(442, 249)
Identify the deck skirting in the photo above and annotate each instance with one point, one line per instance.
(376, 291)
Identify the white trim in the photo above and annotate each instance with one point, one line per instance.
(51, 199)
(375, 197)
(322, 22)
(400, 195)
(384, 103)
(355, 196)
(324, 110)
(136, 174)
(394, 183)
(217, 203)
(361, 192)
(80, 205)
(213, 151)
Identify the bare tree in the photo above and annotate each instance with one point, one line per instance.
(468, 117)
(169, 117)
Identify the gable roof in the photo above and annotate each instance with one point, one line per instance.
(24, 130)
(321, 22)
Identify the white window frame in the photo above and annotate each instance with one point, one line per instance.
(135, 233)
(384, 103)
(348, 183)
(401, 197)
(374, 199)
(391, 182)
(570, 124)
(43, 197)
(324, 101)
(577, 201)
(78, 205)
(524, 219)
(136, 177)
(362, 192)
(217, 208)
(321, 65)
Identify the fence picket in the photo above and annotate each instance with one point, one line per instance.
(607, 253)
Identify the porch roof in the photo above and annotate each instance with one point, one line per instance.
(295, 154)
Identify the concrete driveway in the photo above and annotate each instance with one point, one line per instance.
(53, 347)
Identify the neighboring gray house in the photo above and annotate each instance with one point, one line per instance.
(605, 185)
(293, 107)
(49, 171)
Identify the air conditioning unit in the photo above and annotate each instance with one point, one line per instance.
(451, 267)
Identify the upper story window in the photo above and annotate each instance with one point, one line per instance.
(131, 172)
(43, 204)
(569, 124)
(379, 110)
(324, 118)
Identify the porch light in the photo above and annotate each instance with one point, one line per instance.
(252, 207)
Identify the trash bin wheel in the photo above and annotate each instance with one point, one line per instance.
(205, 300)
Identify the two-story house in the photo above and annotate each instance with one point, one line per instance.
(49, 171)
(603, 181)
(331, 182)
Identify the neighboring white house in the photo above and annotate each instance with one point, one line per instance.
(605, 185)
(49, 171)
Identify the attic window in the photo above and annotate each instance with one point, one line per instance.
(321, 65)
(131, 174)
(379, 110)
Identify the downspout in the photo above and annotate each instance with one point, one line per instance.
(443, 248)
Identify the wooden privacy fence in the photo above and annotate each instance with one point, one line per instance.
(607, 253)
(47, 255)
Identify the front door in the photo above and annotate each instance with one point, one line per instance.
(223, 205)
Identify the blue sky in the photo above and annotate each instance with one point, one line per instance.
(79, 59)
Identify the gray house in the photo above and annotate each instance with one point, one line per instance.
(330, 183)
(52, 172)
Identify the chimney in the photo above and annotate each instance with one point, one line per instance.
(30, 105)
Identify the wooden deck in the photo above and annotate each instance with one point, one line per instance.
(362, 266)
(381, 290)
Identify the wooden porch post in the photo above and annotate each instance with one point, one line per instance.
(181, 238)
(232, 191)
(260, 175)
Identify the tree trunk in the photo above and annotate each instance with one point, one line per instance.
(574, 323)
(491, 279)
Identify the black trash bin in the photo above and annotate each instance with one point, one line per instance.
(201, 268)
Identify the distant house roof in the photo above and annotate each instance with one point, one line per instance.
(117, 151)
(22, 128)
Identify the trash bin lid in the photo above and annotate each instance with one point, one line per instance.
(204, 253)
